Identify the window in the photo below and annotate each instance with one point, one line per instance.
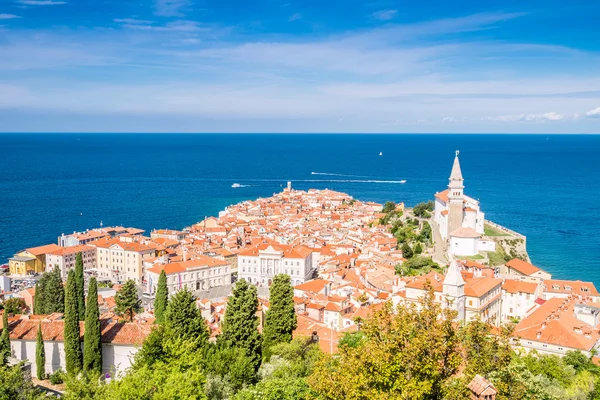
(470, 302)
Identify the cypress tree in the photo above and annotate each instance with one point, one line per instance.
(71, 331)
(162, 298)
(280, 320)
(183, 319)
(5, 350)
(240, 324)
(40, 355)
(53, 293)
(80, 286)
(127, 300)
(36, 300)
(92, 346)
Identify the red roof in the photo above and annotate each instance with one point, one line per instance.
(522, 266)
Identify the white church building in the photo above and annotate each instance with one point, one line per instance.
(459, 218)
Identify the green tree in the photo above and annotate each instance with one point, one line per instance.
(240, 324)
(80, 286)
(351, 339)
(40, 355)
(280, 320)
(127, 300)
(407, 354)
(423, 210)
(407, 252)
(183, 319)
(162, 298)
(418, 248)
(38, 294)
(15, 305)
(388, 207)
(53, 293)
(92, 345)
(14, 386)
(5, 350)
(425, 235)
(72, 334)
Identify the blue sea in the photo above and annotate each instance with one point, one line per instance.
(546, 187)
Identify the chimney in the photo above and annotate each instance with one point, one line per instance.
(538, 335)
(544, 325)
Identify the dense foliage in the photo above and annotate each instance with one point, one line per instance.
(14, 305)
(72, 334)
(50, 293)
(40, 355)
(14, 386)
(5, 350)
(423, 210)
(240, 324)
(92, 345)
(162, 298)
(127, 300)
(408, 352)
(280, 320)
(79, 284)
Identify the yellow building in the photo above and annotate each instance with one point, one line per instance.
(31, 260)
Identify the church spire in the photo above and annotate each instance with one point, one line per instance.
(456, 178)
(453, 275)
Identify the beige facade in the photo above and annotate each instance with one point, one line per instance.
(65, 258)
(120, 261)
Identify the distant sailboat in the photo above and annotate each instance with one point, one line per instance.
(380, 153)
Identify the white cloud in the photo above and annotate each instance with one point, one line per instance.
(178, 26)
(533, 117)
(595, 113)
(384, 15)
(41, 2)
(295, 17)
(8, 16)
(171, 8)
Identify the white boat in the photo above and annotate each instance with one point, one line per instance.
(403, 181)
(380, 153)
(236, 185)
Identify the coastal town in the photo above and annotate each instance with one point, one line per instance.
(345, 258)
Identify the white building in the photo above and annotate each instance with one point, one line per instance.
(120, 342)
(201, 273)
(258, 265)
(458, 216)
(120, 260)
(518, 298)
(65, 258)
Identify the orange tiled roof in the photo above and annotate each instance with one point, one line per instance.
(38, 251)
(522, 266)
(443, 196)
(515, 286)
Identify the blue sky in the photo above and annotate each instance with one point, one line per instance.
(299, 66)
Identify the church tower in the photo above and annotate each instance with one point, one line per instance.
(454, 290)
(455, 197)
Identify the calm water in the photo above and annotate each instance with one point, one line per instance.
(545, 187)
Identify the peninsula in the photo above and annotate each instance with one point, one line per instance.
(344, 259)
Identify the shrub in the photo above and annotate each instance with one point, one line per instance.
(57, 377)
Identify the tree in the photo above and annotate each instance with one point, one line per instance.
(40, 355)
(162, 298)
(280, 320)
(92, 345)
(127, 300)
(5, 350)
(351, 339)
(422, 209)
(183, 319)
(53, 293)
(72, 333)
(240, 324)
(425, 235)
(388, 207)
(14, 386)
(407, 252)
(418, 248)
(407, 354)
(36, 302)
(80, 286)
(14, 305)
